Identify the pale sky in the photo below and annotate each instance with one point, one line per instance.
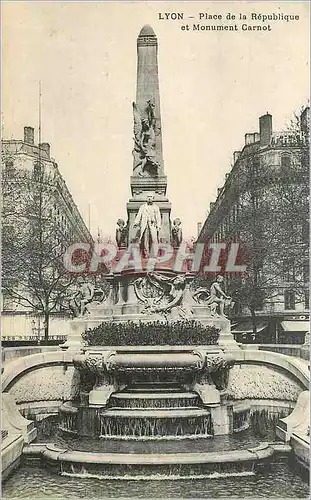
(213, 88)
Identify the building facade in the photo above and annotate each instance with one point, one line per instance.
(263, 205)
(35, 198)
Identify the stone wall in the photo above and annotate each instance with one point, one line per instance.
(49, 383)
(12, 353)
(16, 431)
(287, 349)
(251, 381)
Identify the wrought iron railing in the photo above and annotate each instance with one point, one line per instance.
(288, 139)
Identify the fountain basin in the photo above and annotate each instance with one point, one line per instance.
(301, 448)
(99, 360)
(149, 466)
(174, 392)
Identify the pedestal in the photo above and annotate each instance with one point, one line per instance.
(222, 418)
(305, 351)
(100, 395)
(209, 395)
(226, 339)
(74, 339)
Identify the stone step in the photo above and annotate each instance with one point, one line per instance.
(251, 454)
(155, 413)
(154, 388)
(154, 395)
(152, 400)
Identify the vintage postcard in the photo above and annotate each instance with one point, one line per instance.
(155, 249)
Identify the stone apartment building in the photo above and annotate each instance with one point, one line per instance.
(264, 205)
(64, 222)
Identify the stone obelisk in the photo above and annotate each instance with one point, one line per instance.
(148, 166)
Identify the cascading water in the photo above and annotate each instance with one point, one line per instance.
(131, 427)
(134, 400)
(155, 472)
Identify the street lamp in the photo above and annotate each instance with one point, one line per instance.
(39, 331)
(33, 327)
(36, 330)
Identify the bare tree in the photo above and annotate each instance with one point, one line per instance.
(33, 242)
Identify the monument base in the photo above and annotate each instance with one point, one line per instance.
(74, 339)
(222, 417)
(150, 394)
(132, 312)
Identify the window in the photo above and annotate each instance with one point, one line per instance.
(307, 299)
(36, 170)
(235, 213)
(9, 165)
(305, 233)
(289, 299)
(288, 270)
(285, 161)
(254, 199)
(237, 208)
(256, 166)
(306, 272)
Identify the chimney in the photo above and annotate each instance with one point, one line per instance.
(29, 135)
(249, 138)
(45, 147)
(305, 122)
(265, 129)
(219, 190)
(236, 155)
(199, 226)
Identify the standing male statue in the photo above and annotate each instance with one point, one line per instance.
(148, 220)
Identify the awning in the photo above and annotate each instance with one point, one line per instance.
(295, 326)
(247, 327)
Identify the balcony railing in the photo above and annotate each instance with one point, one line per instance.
(288, 139)
(31, 338)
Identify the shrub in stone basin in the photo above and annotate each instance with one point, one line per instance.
(183, 332)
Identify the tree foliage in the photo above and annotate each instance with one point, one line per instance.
(275, 229)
